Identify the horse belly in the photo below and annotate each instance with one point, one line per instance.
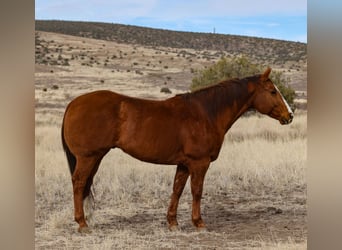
(153, 156)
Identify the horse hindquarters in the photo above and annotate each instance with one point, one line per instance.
(87, 135)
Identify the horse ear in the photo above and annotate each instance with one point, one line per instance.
(266, 74)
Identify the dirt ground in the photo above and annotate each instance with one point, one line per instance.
(256, 215)
(237, 217)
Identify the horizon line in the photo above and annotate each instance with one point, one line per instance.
(172, 30)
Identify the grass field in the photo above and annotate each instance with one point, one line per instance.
(254, 194)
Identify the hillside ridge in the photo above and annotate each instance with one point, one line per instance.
(261, 50)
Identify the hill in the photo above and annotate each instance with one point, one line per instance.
(145, 56)
(266, 51)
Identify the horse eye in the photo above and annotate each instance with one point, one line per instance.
(274, 92)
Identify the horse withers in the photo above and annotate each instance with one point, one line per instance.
(186, 130)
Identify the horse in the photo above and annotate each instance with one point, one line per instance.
(186, 130)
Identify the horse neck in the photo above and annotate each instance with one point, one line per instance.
(226, 102)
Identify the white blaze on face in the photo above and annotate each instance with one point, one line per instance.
(287, 105)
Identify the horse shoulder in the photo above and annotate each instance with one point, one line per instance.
(198, 133)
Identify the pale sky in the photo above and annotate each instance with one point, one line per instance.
(278, 19)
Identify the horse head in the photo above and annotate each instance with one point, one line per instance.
(268, 100)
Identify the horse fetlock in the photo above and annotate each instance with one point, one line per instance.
(172, 220)
(81, 220)
(198, 223)
(174, 228)
(88, 207)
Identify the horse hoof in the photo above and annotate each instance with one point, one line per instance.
(173, 228)
(202, 229)
(84, 230)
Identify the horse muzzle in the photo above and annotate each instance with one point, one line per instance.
(286, 120)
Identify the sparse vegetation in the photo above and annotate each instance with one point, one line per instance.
(263, 50)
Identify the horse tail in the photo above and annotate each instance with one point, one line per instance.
(70, 156)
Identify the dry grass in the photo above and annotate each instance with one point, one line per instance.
(254, 194)
(132, 196)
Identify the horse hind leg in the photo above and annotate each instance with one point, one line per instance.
(88, 194)
(82, 179)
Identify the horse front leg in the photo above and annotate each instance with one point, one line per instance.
(197, 174)
(181, 177)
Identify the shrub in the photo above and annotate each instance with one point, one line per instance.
(165, 90)
(282, 84)
(224, 69)
(66, 62)
(240, 67)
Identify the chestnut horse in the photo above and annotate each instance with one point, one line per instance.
(186, 130)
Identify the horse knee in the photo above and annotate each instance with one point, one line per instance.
(197, 193)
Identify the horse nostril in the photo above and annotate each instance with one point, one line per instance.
(291, 116)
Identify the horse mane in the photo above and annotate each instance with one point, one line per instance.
(217, 97)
